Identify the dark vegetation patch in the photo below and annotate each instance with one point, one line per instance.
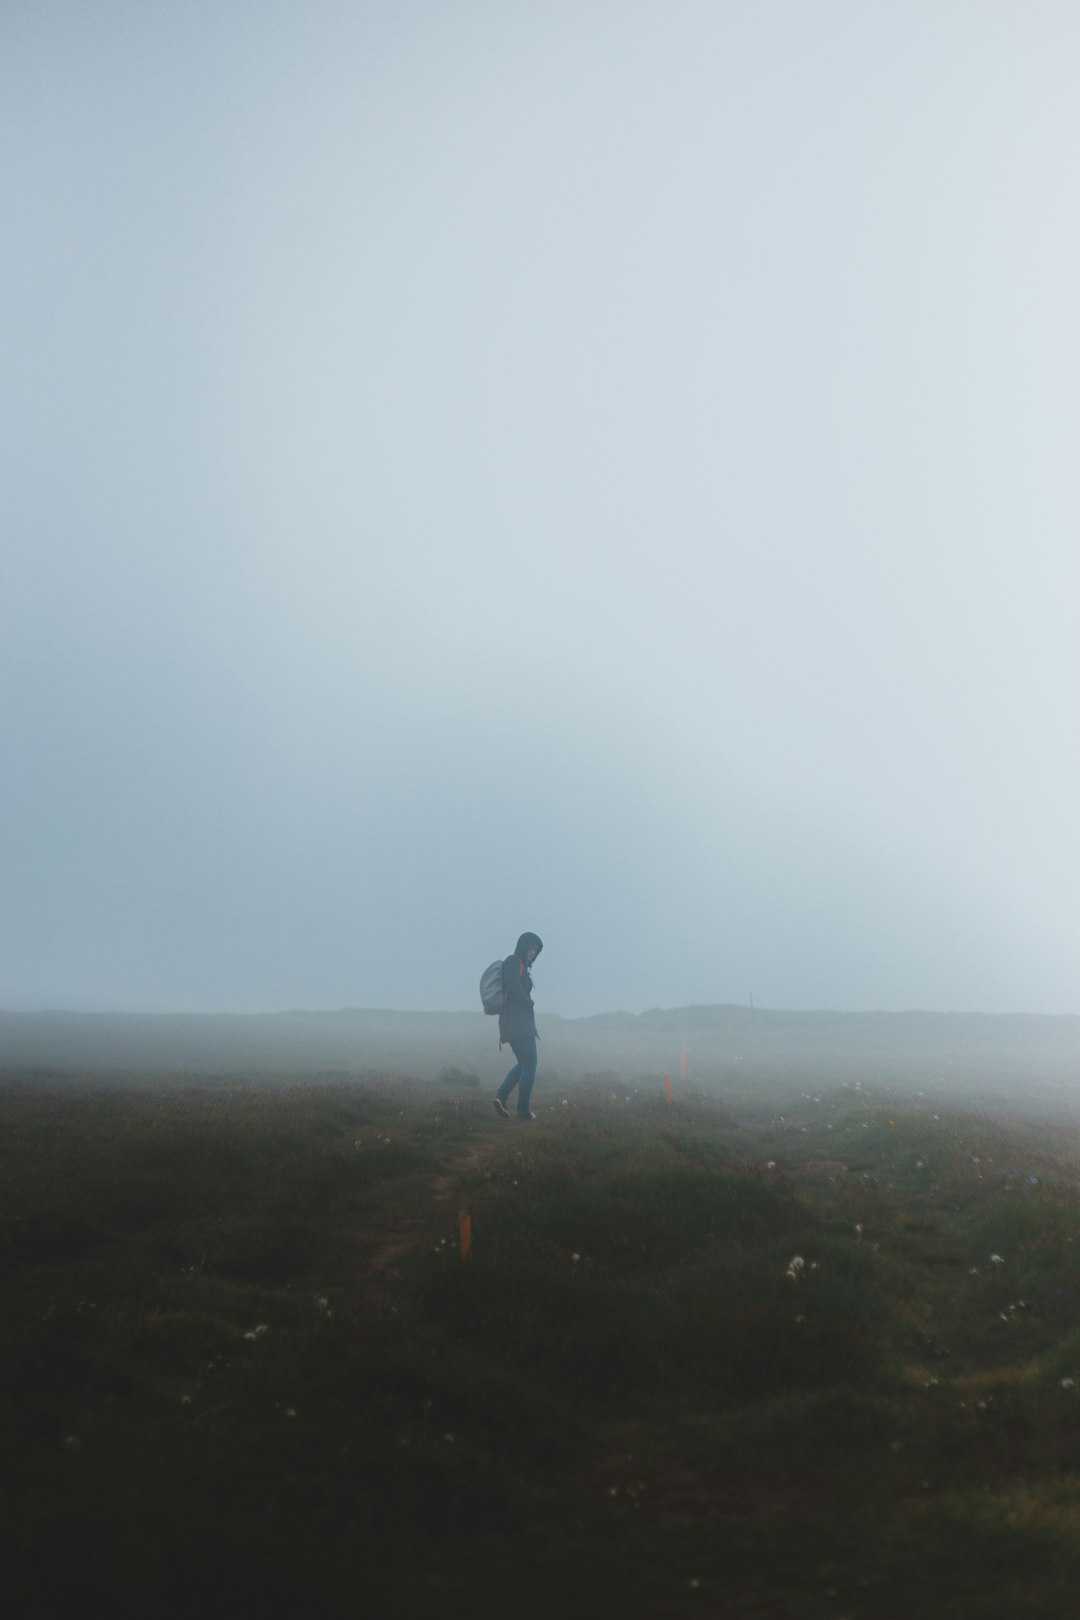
(812, 1359)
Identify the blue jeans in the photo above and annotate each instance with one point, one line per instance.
(521, 1075)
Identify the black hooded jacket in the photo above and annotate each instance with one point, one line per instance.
(517, 1019)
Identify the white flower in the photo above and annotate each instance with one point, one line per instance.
(996, 1260)
(771, 1165)
(575, 1258)
(1068, 1383)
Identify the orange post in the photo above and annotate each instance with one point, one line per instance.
(667, 1087)
(465, 1235)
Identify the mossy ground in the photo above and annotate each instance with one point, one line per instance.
(736, 1356)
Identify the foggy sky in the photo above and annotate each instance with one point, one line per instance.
(607, 469)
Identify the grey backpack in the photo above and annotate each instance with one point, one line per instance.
(492, 993)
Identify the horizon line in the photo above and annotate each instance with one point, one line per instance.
(57, 1011)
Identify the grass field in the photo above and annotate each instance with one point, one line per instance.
(771, 1353)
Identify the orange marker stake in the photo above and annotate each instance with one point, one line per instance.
(465, 1235)
(667, 1087)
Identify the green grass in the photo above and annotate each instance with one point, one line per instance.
(749, 1357)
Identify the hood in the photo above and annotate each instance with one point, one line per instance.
(525, 942)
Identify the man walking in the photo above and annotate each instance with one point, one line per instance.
(517, 1025)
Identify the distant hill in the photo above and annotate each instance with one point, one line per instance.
(951, 1053)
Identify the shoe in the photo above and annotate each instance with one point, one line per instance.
(526, 1116)
(501, 1108)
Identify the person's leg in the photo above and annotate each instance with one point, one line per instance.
(511, 1080)
(525, 1052)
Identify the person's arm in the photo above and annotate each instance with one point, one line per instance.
(514, 982)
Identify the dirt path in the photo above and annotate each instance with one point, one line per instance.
(443, 1185)
(394, 1245)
